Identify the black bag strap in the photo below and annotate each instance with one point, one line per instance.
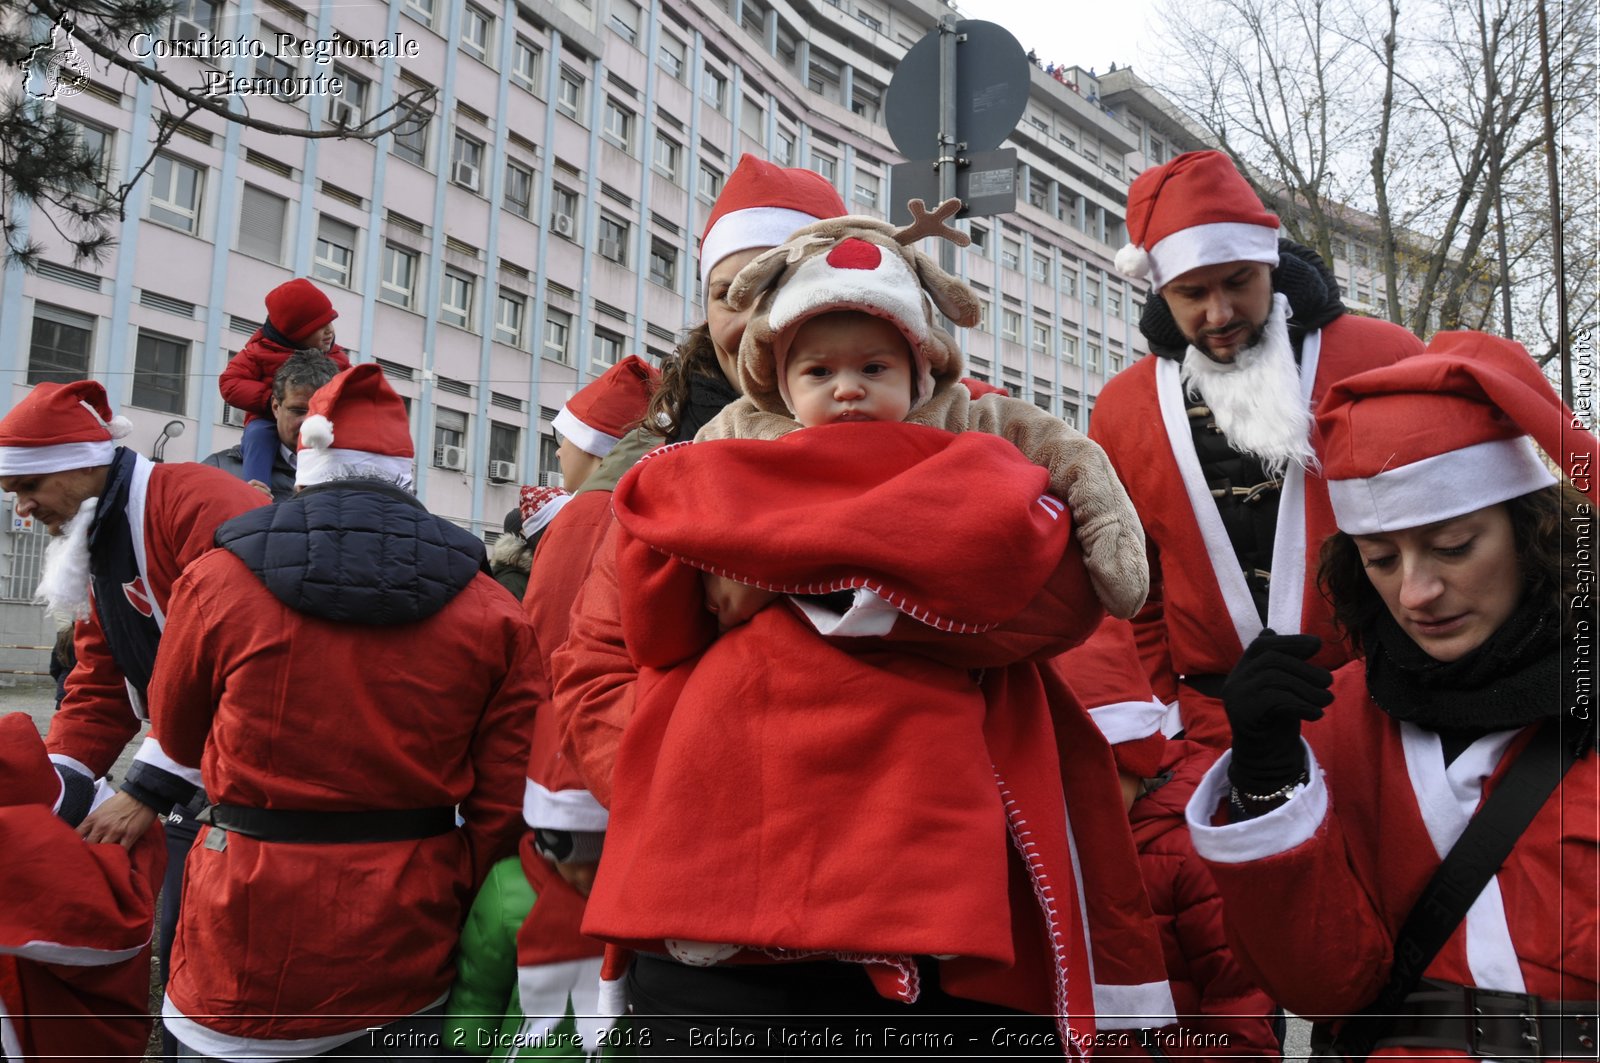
(1480, 851)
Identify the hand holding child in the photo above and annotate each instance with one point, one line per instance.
(733, 603)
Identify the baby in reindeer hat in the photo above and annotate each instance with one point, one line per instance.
(843, 329)
(809, 769)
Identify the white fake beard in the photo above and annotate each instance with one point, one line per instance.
(1256, 399)
(64, 586)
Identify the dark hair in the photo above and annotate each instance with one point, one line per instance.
(308, 369)
(695, 356)
(1537, 521)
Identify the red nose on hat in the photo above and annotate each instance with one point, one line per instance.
(26, 775)
(1442, 434)
(855, 253)
(298, 309)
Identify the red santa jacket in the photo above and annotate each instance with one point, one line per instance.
(1315, 891)
(1219, 1006)
(174, 511)
(288, 710)
(1200, 614)
(246, 381)
(75, 934)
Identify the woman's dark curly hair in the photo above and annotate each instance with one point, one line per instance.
(1539, 521)
(695, 356)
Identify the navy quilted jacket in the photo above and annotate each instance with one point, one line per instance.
(355, 551)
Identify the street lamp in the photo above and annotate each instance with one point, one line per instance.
(171, 430)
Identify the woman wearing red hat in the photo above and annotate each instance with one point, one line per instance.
(299, 317)
(760, 205)
(1421, 866)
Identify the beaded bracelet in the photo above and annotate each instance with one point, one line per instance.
(1251, 805)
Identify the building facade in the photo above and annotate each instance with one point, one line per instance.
(541, 225)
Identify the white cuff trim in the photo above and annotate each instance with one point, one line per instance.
(1134, 1007)
(562, 809)
(1128, 721)
(1289, 825)
(209, 1042)
(73, 955)
(151, 753)
(868, 615)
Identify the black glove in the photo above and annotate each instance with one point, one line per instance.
(1267, 695)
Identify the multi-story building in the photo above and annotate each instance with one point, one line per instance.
(541, 225)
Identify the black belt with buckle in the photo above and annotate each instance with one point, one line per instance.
(287, 825)
(1491, 1024)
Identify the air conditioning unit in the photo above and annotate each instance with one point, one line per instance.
(232, 416)
(343, 114)
(611, 249)
(464, 173)
(550, 479)
(562, 225)
(503, 472)
(449, 457)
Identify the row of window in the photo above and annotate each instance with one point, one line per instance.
(62, 343)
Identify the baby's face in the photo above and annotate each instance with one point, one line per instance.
(848, 367)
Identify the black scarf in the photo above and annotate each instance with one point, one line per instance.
(270, 333)
(707, 396)
(1512, 680)
(123, 601)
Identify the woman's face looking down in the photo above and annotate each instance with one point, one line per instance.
(726, 324)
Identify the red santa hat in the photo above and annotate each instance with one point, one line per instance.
(1196, 210)
(608, 407)
(760, 205)
(538, 506)
(58, 427)
(855, 274)
(373, 429)
(26, 775)
(299, 308)
(1442, 434)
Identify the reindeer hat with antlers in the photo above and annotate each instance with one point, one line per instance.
(853, 263)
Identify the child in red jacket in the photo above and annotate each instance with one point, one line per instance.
(299, 317)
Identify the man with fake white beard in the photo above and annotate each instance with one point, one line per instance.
(1212, 433)
(123, 529)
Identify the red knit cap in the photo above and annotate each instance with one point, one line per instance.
(1196, 210)
(760, 205)
(608, 407)
(299, 308)
(58, 427)
(1442, 434)
(538, 506)
(26, 775)
(371, 423)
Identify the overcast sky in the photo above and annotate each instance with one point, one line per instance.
(1086, 33)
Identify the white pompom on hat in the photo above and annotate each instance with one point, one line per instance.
(59, 427)
(371, 422)
(1194, 210)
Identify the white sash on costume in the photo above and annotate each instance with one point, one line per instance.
(1285, 596)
